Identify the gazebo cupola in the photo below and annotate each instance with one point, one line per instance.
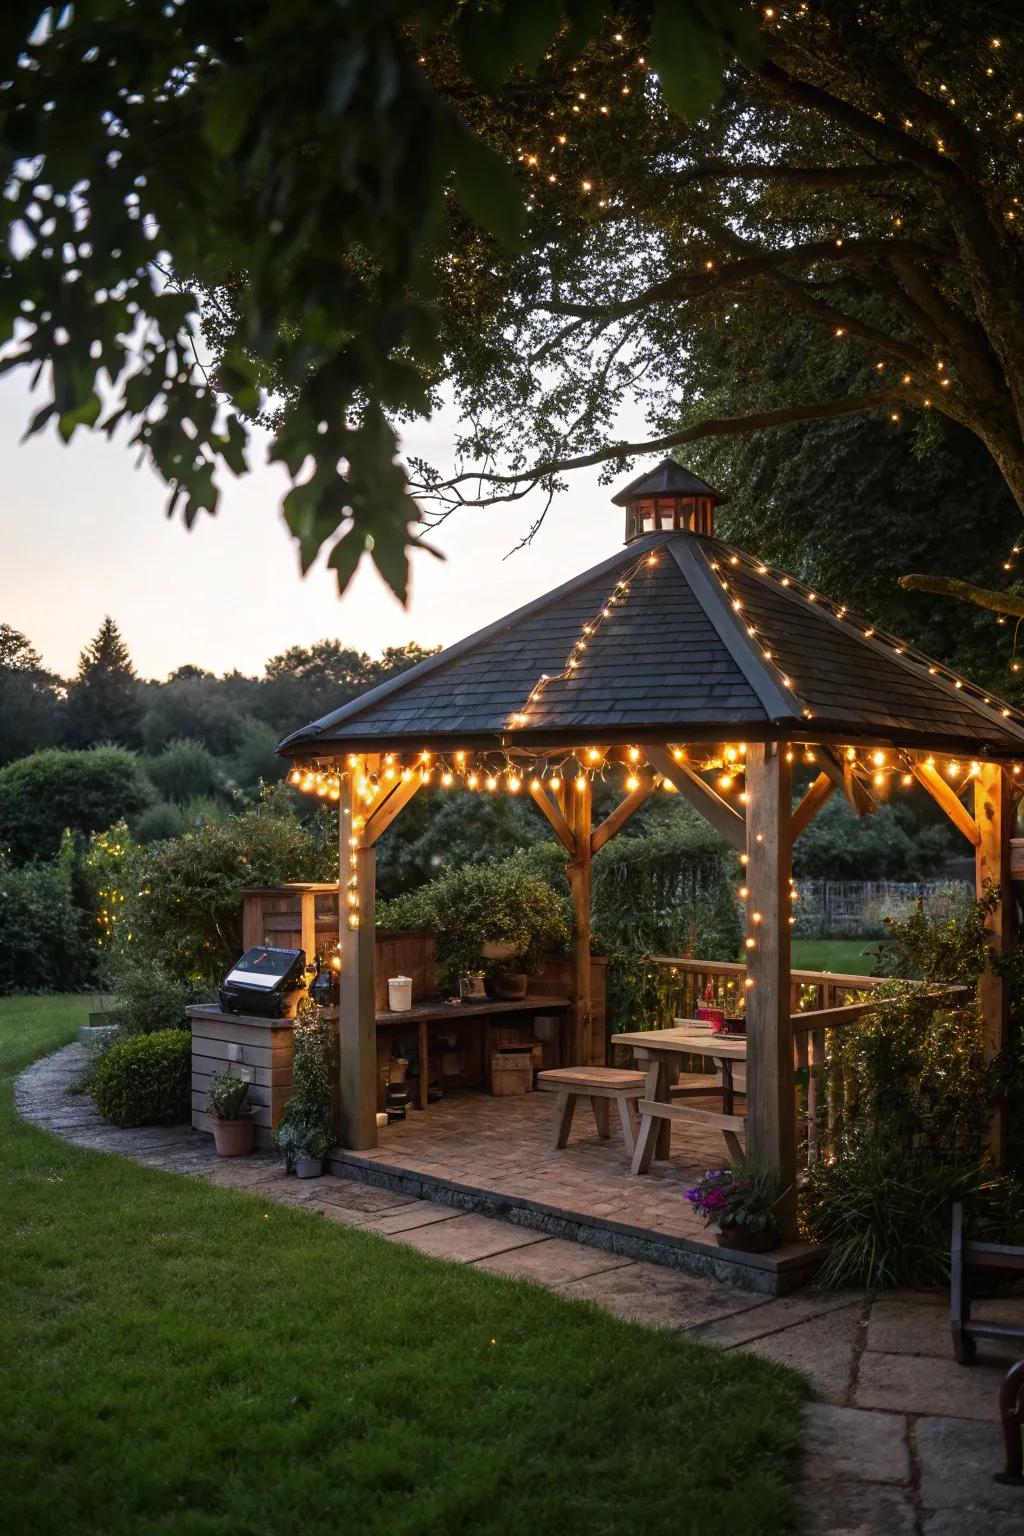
(668, 499)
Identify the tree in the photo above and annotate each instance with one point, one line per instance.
(104, 702)
(184, 771)
(863, 173)
(306, 682)
(845, 504)
(29, 697)
(49, 791)
(297, 164)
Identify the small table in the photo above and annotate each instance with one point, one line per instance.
(661, 1051)
(422, 1015)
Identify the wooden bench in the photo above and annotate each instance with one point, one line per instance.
(600, 1085)
(967, 1258)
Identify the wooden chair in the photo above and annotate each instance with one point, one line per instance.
(967, 1258)
(600, 1085)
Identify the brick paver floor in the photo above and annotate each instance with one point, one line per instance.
(901, 1441)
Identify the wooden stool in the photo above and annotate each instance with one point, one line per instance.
(599, 1085)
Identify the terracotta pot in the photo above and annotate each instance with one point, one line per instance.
(746, 1242)
(510, 985)
(233, 1138)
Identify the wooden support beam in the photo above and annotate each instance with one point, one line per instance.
(994, 815)
(948, 799)
(844, 778)
(357, 1025)
(559, 825)
(771, 1105)
(821, 791)
(621, 814)
(722, 816)
(578, 810)
(385, 811)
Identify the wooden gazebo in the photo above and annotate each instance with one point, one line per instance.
(677, 663)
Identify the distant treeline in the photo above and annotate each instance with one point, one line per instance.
(107, 702)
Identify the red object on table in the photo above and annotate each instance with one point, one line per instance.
(713, 1016)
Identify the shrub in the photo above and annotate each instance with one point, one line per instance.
(226, 1096)
(910, 1093)
(145, 1079)
(185, 769)
(86, 791)
(503, 902)
(45, 938)
(306, 1126)
(182, 907)
(159, 822)
(148, 996)
(254, 761)
(884, 1209)
(890, 845)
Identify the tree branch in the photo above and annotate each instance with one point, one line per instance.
(715, 426)
(965, 592)
(822, 178)
(697, 284)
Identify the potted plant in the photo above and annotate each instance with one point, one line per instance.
(500, 918)
(232, 1117)
(304, 1132)
(741, 1204)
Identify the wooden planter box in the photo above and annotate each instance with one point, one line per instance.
(242, 1045)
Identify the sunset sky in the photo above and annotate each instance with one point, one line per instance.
(85, 535)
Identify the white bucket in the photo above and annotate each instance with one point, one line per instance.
(399, 993)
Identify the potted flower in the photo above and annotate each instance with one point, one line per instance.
(304, 1132)
(232, 1117)
(741, 1204)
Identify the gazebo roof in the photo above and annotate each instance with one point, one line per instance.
(700, 643)
(666, 479)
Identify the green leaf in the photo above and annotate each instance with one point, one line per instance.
(345, 557)
(84, 415)
(686, 55)
(488, 189)
(478, 35)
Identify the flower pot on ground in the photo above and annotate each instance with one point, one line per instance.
(233, 1127)
(746, 1239)
(741, 1203)
(304, 1133)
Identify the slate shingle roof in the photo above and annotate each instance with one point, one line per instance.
(674, 661)
(666, 479)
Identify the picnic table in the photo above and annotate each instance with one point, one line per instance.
(660, 1052)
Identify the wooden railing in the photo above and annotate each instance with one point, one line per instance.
(823, 1003)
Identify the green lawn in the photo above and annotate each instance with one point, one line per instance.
(180, 1359)
(851, 957)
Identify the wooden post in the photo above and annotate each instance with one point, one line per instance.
(357, 1026)
(578, 812)
(993, 815)
(771, 1107)
(307, 924)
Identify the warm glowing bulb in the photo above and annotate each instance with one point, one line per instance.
(555, 783)
(581, 783)
(632, 782)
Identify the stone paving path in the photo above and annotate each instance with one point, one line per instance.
(901, 1441)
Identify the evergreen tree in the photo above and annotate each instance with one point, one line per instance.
(104, 700)
(29, 697)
